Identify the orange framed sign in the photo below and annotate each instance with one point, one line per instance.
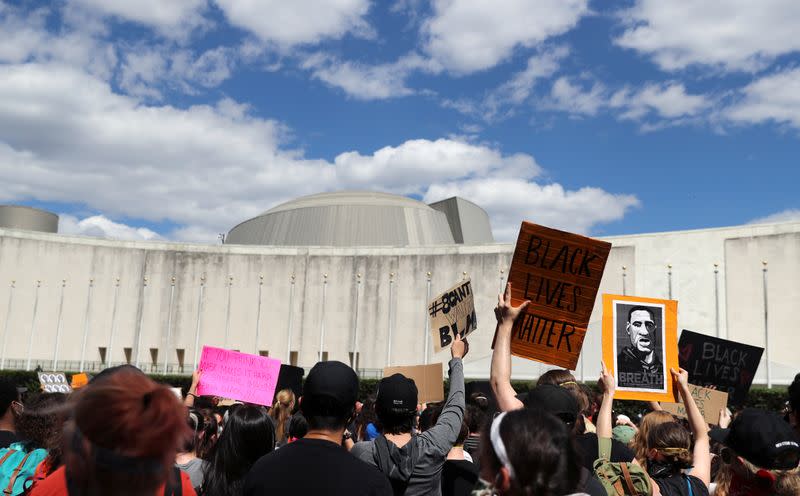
(640, 346)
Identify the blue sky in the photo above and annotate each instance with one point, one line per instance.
(177, 120)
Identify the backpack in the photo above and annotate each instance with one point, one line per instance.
(620, 479)
(17, 466)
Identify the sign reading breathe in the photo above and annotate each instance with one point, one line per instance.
(559, 272)
(239, 376)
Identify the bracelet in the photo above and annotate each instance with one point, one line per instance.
(191, 394)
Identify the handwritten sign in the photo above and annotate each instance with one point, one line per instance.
(640, 346)
(452, 313)
(80, 380)
(54, 382)
(428, 378)
(240, 376)
(708, 401)
(559, 272)
(727, 365)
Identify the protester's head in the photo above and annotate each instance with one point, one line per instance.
(556, 377)
(760, 457)
(529, 451)
(475, 416)
(557, 401)
(428, 416)
(396, 404)
(641, 327)
(124, 435)
(668, 448)
(281, 411)
(41, 424)
(298, 427)
(639, 442)
(248, 435)
(329, 396)
(204, 433)
(10, 401)
(365, 417)
(794, 403)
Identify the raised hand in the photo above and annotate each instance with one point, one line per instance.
(459, 348)
(606, 380)
(504, 311)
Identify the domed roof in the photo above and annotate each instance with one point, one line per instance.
(346, 218)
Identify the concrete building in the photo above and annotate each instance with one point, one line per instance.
(70, 302)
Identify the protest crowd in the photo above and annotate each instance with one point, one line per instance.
(124, 434)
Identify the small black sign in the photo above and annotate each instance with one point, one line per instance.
(725, 365)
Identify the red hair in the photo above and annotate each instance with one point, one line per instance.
(124, 435)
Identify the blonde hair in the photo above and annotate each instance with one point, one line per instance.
(281, 411)
(787, 482)
(639, 442)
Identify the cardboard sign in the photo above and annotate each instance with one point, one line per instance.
(290, 377)
(239, 376)
(727, 365)
(428, 378)
(708, 401)
(640, 346)
(559, 272)
(451, 313)
(79, 380)
(54, 382)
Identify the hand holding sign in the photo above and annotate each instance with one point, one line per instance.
(460, 347)
(504, 312)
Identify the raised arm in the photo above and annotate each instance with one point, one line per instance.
(444, 433)
(192, 393)
(500, 375)
(606, 382)
(702, 450)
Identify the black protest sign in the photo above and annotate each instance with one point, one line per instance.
(559, 272)
(54, 382)
(290, 377)
(452, 313)
(725, 365)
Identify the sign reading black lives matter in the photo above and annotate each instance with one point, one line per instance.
(559, 272)
(451, 313)
(54, 382)
(728, 366)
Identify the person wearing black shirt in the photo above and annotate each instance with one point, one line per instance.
(317, 463)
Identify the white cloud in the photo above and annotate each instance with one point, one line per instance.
(732, 35)
(788, 215)
(146, 70)
(774, 97)
(410, 167)
(66, 137)
(173, 18)
(658, 103)
(574, 99)
(510, 200)
(467, 36)
(298, 22)
(364, 81)
(668, 100)
(100, 226)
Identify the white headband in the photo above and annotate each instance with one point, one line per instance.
(497, 444)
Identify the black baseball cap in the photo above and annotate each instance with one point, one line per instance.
(762, 438)
(333, 379)
(397, 392)
(554, 399)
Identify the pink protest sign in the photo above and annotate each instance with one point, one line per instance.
(239, 376)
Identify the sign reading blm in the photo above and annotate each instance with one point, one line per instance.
(559, 272)
(452, 313)
(726, 365)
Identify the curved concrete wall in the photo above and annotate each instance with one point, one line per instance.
(28, 218)
(336, 300)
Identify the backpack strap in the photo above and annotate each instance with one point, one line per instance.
(628, 481)
(10, 489)
(604, 448)
(5, 457)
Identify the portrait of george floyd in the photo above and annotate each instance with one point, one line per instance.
(639, 339)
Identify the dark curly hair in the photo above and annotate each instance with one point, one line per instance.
(41, 423)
